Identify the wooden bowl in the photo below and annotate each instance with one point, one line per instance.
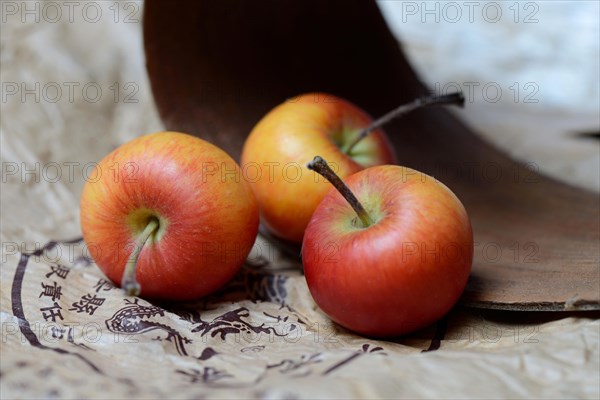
(217, 67)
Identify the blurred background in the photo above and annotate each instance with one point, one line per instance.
(529, 69)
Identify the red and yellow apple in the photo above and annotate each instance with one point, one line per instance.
(276, 152)
(396, 262)
(174, 205)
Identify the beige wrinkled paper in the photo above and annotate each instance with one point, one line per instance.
(68, 333)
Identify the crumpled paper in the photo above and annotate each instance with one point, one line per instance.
(67, 332)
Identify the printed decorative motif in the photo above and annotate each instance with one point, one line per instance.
(255, 284)
(135, 319)
(247, 334)
(231, 322)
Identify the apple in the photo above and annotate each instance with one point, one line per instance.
(283, 142)
(285, 139)
(388, 252)
(170, 211)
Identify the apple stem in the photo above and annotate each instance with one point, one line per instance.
(423, 101)
(128, 282)
(320, 166)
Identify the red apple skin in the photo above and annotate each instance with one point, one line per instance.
(287, 138)
(388, 279)
(208, 218)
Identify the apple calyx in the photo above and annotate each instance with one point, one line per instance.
(128, 282)
(320, 166)
(428, 100)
